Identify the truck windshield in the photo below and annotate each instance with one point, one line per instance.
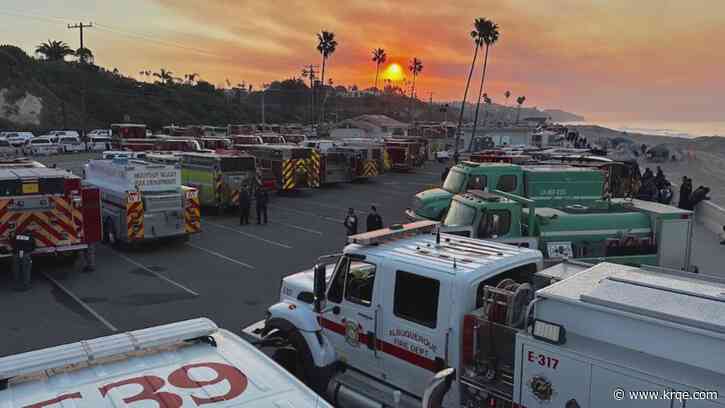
(237, 164)
(459, 215)
(454, 181)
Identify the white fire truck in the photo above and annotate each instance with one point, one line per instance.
(185, 364)
(142, 200)
(372, 326)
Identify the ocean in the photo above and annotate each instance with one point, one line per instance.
(663, 128)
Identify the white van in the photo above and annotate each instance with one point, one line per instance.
(191, 363)
(42, 145)
(69, 144)
(17, 139)
(122, 154)
(97, 143)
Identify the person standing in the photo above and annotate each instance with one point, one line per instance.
(685, 191)
(722, 236)
(23, 247)
(262, 199)
(374, 221)
(351, 222)
(244, 204)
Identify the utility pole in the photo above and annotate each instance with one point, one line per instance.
(430, 107)
(80, 27)
(310, 71)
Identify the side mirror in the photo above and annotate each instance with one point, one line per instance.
(319, 286)
(438, 387)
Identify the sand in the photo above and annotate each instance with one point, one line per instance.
(702, 159)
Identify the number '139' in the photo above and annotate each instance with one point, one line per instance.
(151, 384)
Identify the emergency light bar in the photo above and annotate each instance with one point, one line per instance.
(103, 347)
(394, 232)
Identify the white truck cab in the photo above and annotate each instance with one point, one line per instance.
(186, 364)
(377, 322)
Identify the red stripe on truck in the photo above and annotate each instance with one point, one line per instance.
(385, 347)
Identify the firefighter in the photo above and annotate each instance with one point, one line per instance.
(244, 204)
(23, 247)
(262, 199)
(374, 221)
(351, 222)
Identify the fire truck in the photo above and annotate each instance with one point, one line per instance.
(373, 326)
(370, 157)
(335, 163)
(127, 136)
(62, 213)
(591, 336)
(632, 232)
(403, 154)
(219, 178)
(142, 200)
(286, 168)
(196, 364)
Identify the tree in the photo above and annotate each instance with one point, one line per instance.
(379, 57)
(84, 55)
(520, 100)
(415, 67)
(506, 95)
(190, 79)
(326, 45)
(54, 50)
(166, 77)
(477, 36)
(489, 35)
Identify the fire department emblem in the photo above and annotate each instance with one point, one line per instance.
(352, 333)
(541, 387)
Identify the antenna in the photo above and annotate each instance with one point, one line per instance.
(438, 235)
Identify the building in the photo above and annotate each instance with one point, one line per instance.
(370, 126)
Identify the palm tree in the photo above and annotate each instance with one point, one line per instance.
(54, 50)
(507, 95)
(520, 100)
(489, 36)
(477, 36)
(379, 57)
(191, 78)
(166, 77)
(326, 45)
(487, 102)
(415, 67)
(84, 55)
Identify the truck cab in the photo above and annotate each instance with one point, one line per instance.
(548, 185)
(376, 322)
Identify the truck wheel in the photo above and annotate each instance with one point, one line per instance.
(295, 357)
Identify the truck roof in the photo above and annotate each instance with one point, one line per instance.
(221, 371)
(557, 169)
(652, 207)
(215, 155)
(635, 308)
(455, 255)
(32, 173)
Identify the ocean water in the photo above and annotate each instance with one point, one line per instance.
(664, 128)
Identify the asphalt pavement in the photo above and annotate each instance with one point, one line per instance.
(229, 273)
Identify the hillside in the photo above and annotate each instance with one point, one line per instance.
(40, 95)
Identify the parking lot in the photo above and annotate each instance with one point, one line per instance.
(228, 272)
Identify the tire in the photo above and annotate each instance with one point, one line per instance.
(295, 357)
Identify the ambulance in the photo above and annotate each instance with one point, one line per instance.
(142, 200)
(190, 363)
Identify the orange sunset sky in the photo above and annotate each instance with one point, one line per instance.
(644, 59)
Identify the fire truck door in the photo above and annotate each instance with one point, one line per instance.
(415, 329)
(351, 316)
(552, 379)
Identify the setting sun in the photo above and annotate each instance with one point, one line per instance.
(394, 72)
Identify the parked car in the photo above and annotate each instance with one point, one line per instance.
(60, 133)
(98, 143)
(6, 149)
(99, 132)
(42, 145)
(70, 144)
(443, 155)
(17, 139)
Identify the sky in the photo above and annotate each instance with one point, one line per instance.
(605, 59)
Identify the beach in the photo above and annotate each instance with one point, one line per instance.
(700, 158)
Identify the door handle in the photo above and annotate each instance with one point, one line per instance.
(365, 316)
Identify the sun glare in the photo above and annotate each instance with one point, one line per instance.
(394, 72)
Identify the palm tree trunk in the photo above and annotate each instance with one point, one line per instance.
(412, 94)
(518, 112)
(480, 92)
(463, 103)
(322, 91)
(377, 72)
